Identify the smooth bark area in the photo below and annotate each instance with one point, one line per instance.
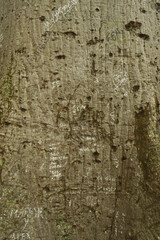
(79, 120)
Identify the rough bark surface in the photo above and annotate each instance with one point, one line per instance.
(80, 120)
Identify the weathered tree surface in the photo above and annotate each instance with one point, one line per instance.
(80, 120)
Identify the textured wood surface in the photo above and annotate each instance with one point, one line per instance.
(79, 120)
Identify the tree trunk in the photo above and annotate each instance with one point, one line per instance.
(79, 120)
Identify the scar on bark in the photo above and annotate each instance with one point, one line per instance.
(132, 25)
(42, 18)
(144, 36)
(70, 34)
(61, 57)
(157, 5)
(93, 69)
(93, 42)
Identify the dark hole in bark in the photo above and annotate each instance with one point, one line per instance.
(96, 154)
(42, 18)
(117, 121)
(93, 42)
(144, 36)
(133, 25)
(124, 158)
(70, 34)
(23, 109)
(111, 54)
(20, 50)
(143, 10)
(136, 88)
(97, 161)
(114, 148)
(93, 55)
(47, 189)
(93, 70)
(89, 98)
(61, 57)
(7, 123)
(119, 50)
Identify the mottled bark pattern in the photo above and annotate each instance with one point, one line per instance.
(80, 120)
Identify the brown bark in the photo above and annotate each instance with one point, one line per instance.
(79, 120)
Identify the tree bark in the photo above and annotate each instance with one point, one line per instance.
(79, 120)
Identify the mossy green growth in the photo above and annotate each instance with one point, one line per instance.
(63, 228)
